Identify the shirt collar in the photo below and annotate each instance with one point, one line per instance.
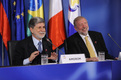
(84, 36)
(35, 41)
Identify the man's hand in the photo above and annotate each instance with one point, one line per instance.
(53, 56)
(116, 58)
(92, 59)
(33, 55)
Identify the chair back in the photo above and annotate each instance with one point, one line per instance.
(11, 53)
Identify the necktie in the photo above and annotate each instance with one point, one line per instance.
(39, 46)
(90, 49)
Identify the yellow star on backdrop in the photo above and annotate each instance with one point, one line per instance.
(22, 13)
(14, 3)
(18, 17)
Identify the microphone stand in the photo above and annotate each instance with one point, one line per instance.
(114, 40)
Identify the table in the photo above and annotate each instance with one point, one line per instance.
(105, 70)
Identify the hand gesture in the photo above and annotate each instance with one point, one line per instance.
(53, 56)
(33, 55)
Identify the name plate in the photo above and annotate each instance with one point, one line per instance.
(72, 58)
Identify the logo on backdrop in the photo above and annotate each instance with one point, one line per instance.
(74, 5)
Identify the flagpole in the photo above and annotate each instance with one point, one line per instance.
(2, 53)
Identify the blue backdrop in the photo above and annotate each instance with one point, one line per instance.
(102, 15)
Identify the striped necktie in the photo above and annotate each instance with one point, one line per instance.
(39, 46)
(90, 48)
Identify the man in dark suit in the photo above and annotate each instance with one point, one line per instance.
(77, 42)
(29, 50)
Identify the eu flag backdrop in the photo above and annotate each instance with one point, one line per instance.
(17, 19)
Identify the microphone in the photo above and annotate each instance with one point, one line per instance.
(114, 40)
(54, 45)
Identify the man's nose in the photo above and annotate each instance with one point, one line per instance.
(42, 30)
(83, 25)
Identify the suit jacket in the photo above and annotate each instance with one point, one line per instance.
(25, 47)
(75, 44)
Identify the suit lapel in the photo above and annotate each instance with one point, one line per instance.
(94, 39)
(82, 44)
(80, 41)
(45, 46)
(31, 47)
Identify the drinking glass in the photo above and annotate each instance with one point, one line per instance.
(101, 56)
(44, 59)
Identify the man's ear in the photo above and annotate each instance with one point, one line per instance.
(75, 28)
(31, 30)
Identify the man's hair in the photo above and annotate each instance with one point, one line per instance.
(78, 18)
(34, 21)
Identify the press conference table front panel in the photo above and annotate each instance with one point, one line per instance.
(105, 70)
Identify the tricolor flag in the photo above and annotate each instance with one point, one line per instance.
(73, 12)
(4, 21)
(35, 10)
(56, 29)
